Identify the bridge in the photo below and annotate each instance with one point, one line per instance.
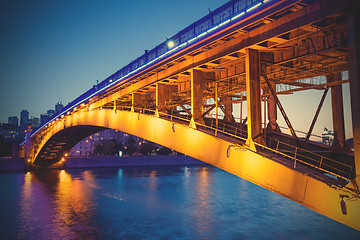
(182, 94)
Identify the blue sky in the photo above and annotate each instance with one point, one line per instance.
(58, 49)
(53, 49)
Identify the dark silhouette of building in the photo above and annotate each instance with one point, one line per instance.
(50, 113)
(35, 122)
(13, 120)
(58, 107)
(43, 118)
(24, 117)
(9, 132)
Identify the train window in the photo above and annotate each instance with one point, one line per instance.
(176, 40)
(134, 66)
(162, 49)
(222, 16)
(202, 27)
(186, 36)
(217, 19)
(227, 13)
(142, 60)
(152, 55)
(237, 8)
(251, 3)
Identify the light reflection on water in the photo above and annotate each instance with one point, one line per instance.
(175, 202)
(54, 204)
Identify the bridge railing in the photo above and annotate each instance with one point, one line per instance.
(315, 160)
(296, 154)
(315, 137)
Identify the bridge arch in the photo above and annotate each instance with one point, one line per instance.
(64, 133)
(61, 142)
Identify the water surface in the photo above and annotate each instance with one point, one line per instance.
(173, 202)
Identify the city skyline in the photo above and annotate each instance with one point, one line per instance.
(60, 50)
(24, 116)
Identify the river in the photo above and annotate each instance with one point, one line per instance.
(162, 202)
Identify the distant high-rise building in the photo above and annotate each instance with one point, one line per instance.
(50, 113)
(24, 117)
(58, 107)
(35, 122)
(43, 118)
(13, 120)
(9, 132)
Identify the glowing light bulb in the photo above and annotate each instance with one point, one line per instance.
(170, 44)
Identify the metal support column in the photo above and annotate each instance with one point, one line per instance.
(29, 150)
(216, 108)
(339, 142)
(160, 98)
(272, 113)
(241, 107)
(163, 94)
(135, 101)
(228, 108)
(252, 66)
(353, 40)
(197, 79)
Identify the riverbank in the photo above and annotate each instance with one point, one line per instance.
(10, 164)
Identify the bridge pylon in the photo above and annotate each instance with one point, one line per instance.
(254, 130)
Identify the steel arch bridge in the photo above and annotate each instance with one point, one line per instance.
(241, 52)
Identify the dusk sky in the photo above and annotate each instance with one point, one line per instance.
(58, 49)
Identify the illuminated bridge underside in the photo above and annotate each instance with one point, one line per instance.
(254, 58)
(62, 142)
(266, 170)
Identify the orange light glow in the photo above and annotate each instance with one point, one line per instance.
(28, 178)
(153, 180)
